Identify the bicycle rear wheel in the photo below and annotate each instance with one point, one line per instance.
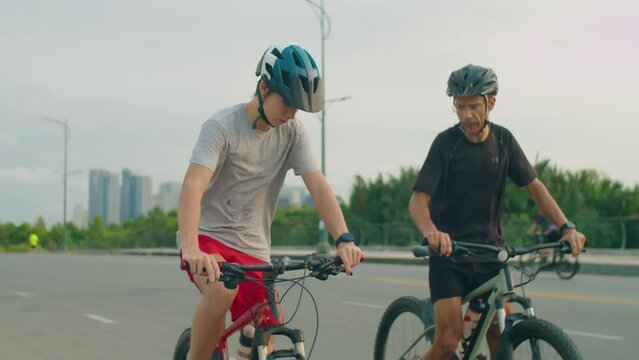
(183, 345)
(402, 331)
(540, 339)
(566, 266)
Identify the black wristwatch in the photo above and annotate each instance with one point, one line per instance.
(345, 237)
(567, 225)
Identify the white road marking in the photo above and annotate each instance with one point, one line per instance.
(24, 294)
(597, 336)
(100, 318)
(363, 304)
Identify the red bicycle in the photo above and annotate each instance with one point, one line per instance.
(232, 274)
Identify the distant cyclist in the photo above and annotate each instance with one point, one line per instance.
(33, 241)
(233, 181)
(459, 195)
(544, 230)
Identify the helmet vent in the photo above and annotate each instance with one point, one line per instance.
(269, 69)
(305, 83)
(285, 79)
(315, 84)
(277, 54)
(297, 60)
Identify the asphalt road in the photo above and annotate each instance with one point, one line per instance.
(68, 307)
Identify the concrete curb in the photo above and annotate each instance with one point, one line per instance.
(596, 261)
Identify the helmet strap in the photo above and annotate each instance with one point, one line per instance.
(486, 120)
(260, 109)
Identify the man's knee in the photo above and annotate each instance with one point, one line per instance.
(446, 347)
(219, 296)
(447, 339)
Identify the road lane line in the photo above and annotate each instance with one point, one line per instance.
(395, 281)
(363, 304)
(597, 336)
(587, 298)
(534, 293)
(24, 294)
(100, 318)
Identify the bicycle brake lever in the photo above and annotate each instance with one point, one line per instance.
(564, 247)
(231, 276)
(460, 250)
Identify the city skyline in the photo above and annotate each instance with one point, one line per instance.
(108, 197)
(117, 202)
(135, 89)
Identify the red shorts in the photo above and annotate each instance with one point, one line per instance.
(248, 292)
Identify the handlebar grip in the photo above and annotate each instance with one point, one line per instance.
(184, 265)
(421, 251)
(564, 247)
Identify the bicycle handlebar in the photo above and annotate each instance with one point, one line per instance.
(321, 267)
(503, 252)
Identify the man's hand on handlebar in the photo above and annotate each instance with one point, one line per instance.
(351, 256)
(576, 240)
(441, 241)
(201, 264)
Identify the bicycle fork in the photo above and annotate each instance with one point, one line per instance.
(506, 324)
(262, 335)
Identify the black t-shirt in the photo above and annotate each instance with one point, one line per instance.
(466, 182)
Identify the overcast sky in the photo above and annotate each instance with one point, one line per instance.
(136, 79)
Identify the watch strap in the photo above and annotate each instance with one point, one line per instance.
(342, 239)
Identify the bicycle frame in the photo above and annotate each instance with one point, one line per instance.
(232, 274)
(263, 313)
(257, 314)
(501, 290)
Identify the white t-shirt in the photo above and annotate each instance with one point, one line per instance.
(249, 168)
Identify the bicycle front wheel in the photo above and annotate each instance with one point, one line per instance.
(541, 339)
(183, 345)
(402, 333)
(566, 266)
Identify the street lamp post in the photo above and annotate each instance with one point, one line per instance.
(322, 244)
(64, 177)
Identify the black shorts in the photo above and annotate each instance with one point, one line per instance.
(448, 279)
(552, 236)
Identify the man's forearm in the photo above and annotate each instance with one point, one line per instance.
(545, 203)
(188, 217)
(418, 209)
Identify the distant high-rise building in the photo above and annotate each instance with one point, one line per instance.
(168, 196)
(135, 195)
(80, 216)
(294, 196)
(104, 196)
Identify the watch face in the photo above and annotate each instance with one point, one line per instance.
(347, 237)
(568, 225)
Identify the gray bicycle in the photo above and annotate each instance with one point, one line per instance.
(407, 328)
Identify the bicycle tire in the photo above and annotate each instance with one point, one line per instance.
(541, 339)
(183, 345)
(531, 263)
(407, 314)
(565, 266)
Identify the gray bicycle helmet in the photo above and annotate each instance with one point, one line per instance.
(290, 71)
(472, 80)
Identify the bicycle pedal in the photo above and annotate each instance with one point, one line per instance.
(285, 354)
(481, 357)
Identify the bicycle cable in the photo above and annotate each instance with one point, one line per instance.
(300, 281)
(531, 275)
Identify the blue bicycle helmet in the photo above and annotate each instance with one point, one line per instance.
(472, 80)
(290, 71)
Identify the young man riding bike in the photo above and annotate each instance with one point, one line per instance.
(233, 181)
(459, 195)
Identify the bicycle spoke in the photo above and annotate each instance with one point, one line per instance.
(534, 349)
(406, 330)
